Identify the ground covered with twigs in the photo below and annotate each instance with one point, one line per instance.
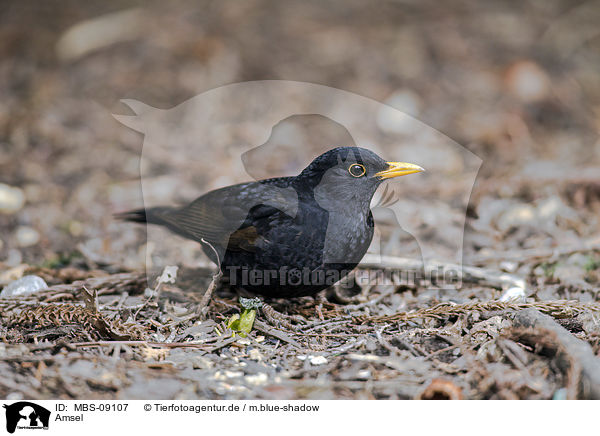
(108, 336)
(515, 84)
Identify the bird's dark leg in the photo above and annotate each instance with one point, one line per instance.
(280, 319)
(202, 308)
(321, 298)
(274, 317)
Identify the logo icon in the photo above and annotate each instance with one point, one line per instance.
(26, 415)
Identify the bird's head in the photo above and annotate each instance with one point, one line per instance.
(350, 174)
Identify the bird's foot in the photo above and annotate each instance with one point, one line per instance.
(279, 319)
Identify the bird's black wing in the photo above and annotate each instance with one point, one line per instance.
(221, 216)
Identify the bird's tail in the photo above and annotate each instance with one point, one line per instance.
(153, 215)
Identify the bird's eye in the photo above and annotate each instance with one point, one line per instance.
(357, 170)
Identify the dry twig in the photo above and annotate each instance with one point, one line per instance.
(557, 309)
(574, 355)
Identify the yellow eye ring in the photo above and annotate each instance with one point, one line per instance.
(357, 170)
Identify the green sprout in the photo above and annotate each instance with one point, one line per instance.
(242, 323)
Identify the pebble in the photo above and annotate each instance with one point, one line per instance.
(23, 286)
(224, 375)
(513, 295)
(257, 379)
(560, 394)
(27, 236)
(255, 354)
(509, 266)
(364, 374)
(12, 199)
(317, 360)
(528, 81)
(75, 228)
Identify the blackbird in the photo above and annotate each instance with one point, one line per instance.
(287, 236)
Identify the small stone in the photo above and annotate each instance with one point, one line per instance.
(257, 379)
(255, 354)
(75, 228)
(317, 360)
(23, 286)
(27, 236)
(513, 295)
(560, 394)
(364, 374)
(528, 81)
(509, 266)
(549, 208)
(12, 199)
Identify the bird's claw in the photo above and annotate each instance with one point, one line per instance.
(279, 319)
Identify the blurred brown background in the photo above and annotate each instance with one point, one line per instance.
(515, 82)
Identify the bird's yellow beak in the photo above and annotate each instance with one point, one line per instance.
(397, 169)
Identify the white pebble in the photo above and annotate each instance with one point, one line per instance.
(257, 379)
(11, 199)
(23, 286)
(509, 266)
(528, 81)
(317, 360)
(27, 236)
(254, 354)
(513, 295)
